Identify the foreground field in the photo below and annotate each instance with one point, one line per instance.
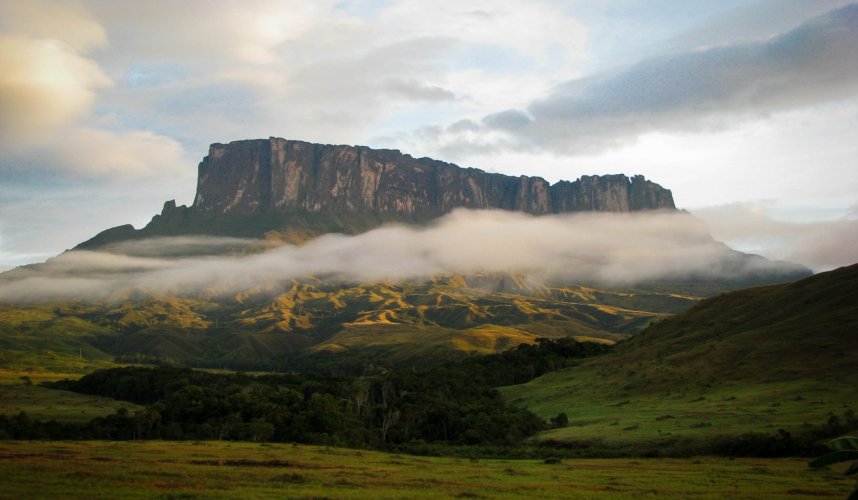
(246, 470)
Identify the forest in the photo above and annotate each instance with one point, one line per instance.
(453, 404)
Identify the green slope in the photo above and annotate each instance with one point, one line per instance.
(758, 359)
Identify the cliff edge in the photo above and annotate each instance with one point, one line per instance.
(299, 190)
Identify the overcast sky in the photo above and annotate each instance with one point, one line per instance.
(747, 110)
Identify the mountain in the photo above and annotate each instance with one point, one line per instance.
(300, 190)
(759, 359)
(178, 290)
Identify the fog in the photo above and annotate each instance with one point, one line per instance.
(821, 245)
(613, 249)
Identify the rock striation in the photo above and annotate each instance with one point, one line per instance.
(297, 190)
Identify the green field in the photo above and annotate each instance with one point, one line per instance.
(41, 403)
(244, 470)
(619, 416)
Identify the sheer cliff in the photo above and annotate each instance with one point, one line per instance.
(299, 190)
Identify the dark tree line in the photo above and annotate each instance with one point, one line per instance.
(452, 404)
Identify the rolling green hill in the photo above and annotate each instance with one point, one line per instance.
(758, 359)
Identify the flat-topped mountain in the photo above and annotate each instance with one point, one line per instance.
(300, 190)
(277, 175)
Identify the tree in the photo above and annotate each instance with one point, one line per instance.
(260, 430)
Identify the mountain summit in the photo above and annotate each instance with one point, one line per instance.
(300, 190)
(278, 175)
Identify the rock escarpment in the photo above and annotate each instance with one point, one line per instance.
(278, 175)
(300, 190)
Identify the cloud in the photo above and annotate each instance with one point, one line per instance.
(104, 154)
(820, 245)
(48, 86)
(326, 71)
(44, 84)
(418, 91)
(752, 21)
(706, 89)
(44, 19)
(509, 25)
(614, 249)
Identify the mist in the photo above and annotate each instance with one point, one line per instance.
(820, 245)
(613, 249)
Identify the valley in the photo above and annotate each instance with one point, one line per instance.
(268, 328)
(248, 336)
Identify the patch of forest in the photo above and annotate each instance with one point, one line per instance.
(454, 404)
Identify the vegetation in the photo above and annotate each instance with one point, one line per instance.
(216, 469)
(843, 449)
(752, 361)
(305, 323)
(453, 404)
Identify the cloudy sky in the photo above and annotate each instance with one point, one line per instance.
(746, 109)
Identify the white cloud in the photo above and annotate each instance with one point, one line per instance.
(509, 25)
(708, 89)
(48, 87)
(44, 85)
(51, 20)
(820, 245)
(318, 71)
(616, 249)
(105, 153)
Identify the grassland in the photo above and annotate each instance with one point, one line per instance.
(245, 470)
(619, 416)
(758, 360)
(41, 403)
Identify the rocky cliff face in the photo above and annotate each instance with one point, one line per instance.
(297, 190)
(277, 175)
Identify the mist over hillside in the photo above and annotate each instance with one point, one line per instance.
(603, 248)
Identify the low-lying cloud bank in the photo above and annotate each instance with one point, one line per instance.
(615, 249)
(820, 245)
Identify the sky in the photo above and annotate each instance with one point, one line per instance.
(746, 110)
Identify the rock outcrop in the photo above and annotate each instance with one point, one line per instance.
(299, 190)
(278, 175)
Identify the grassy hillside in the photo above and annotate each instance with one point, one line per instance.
(38, 338)
(758, 359)
(268, 328)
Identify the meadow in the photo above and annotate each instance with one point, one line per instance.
(755, 360)
(619, 418)
(146, 469)
(41, 403)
